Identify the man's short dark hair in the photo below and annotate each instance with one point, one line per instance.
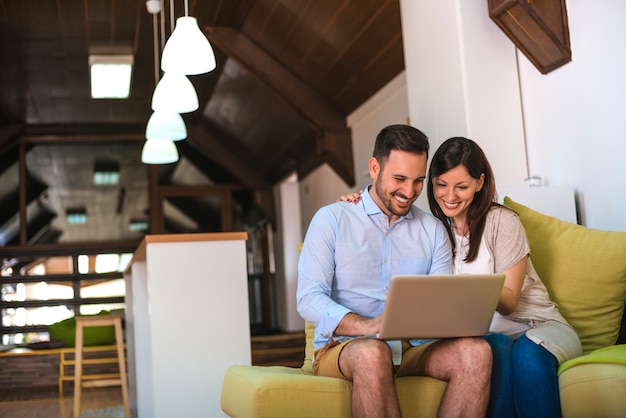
(400, 137)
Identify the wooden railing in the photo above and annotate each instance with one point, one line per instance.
(77, 280)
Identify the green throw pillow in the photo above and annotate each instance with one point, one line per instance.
(584, 270)
(92, 336)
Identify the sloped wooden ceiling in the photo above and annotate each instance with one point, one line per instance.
(289, 72)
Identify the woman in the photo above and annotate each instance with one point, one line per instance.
(487, 237)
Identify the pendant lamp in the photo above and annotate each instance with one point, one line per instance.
(159, 151)
(166, 125)
(175, 93)
(187, 51)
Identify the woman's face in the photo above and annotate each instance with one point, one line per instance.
(454, 192)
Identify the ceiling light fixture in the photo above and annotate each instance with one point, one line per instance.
(165, 124)
(77, 216)
(159, 151)
(187, 51)
(175, 93)
(106, 173)
(110, 76)
(137, 225)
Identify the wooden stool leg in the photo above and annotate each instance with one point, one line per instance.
(119, 339)
(78, 368)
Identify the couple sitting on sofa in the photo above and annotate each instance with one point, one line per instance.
(352, 249)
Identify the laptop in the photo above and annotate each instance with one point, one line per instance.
(440, 306)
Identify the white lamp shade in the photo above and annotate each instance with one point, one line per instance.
(166, 125)
(159, 151)
(187, 51)
(175, 93)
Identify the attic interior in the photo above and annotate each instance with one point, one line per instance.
(288, 73)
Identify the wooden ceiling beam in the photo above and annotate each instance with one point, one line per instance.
(213, 149)
(288, 87)
(295, 94)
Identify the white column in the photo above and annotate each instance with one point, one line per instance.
(462, 80)
(187, 322)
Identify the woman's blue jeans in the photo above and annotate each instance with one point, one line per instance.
(501, 400)
(535, 380)
(524, 380)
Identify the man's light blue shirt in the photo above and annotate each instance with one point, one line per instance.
(350, 254)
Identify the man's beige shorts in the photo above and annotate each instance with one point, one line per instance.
(414, 359)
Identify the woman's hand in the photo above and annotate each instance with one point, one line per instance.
(351, 197)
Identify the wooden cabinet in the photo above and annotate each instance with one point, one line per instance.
(187, 321)
(538, 28)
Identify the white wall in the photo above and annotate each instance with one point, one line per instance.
(462, 81)
(288, 235)
(575, 123)
(467, 82)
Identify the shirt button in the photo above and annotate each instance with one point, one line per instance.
(386, 260)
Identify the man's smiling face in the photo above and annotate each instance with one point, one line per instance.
(397, 182)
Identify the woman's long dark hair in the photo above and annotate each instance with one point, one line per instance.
(452, 153)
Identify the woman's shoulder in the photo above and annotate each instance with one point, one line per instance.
(501, 213)
(504, 221)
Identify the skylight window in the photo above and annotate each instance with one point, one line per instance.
(110, 76)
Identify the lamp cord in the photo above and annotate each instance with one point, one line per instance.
(162, 24)
(171, 16)
(156, 49)
(521, 98)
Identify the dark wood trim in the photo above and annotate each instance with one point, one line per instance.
(198, 190)
(78, 248)
(155, 201)
(538, 28)
(82, 138)
(22, 194)
(75, 302)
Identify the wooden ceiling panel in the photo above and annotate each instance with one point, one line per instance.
(262, 129)
(288, 73)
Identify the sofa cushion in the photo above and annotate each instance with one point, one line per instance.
(584, 270)
(309, 330)
(615, 354)
(588, 381)
(280, 391)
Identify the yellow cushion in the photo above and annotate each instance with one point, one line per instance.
(593, 390)
(285, 392)
(584, 270)
(280, 391)
(615, 354)
(309, 330)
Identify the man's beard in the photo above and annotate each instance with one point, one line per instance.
(389, 202)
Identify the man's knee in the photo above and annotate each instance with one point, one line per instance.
(476, 354)
(365, 355)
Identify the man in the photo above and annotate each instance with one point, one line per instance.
(349, 255)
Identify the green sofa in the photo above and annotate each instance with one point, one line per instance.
(585, 271)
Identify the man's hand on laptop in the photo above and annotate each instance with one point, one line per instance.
(353, 324)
